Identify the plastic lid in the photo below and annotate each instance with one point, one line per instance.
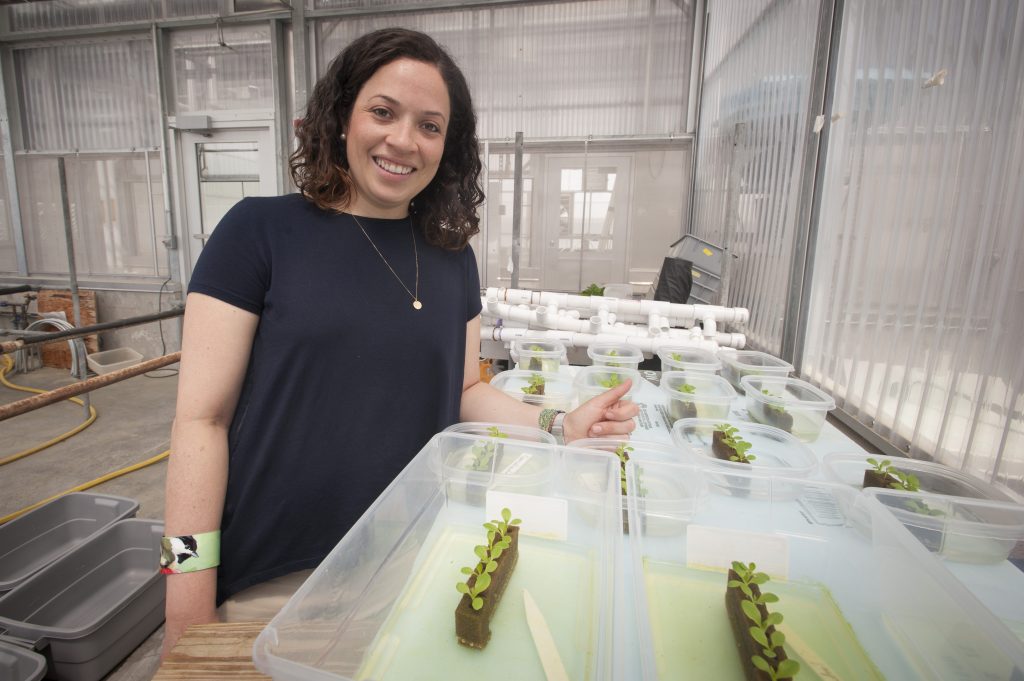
(481, 429)
(615, 352)
(707, 388)
(546, 349)
(776, 451)
(596, 379)
(558, 388)
(786, 392)
(684, 358)
(753, 360)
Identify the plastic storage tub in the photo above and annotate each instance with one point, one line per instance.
(789, 404)
(934, 477)
(859, 602)
(958, 529)
(739, 363)
(593, 380)
(538, 355)
(112, 360)
(382, 604)
(615, 355)
(638, 450)
(558, 388)
(516, 462)
(696, 394)
(32, 541)
(482, 429)
(775, 452)
(95, 604)
(681, 358)
(20, 664)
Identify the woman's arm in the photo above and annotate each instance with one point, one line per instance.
(216, 342)
(602, 416)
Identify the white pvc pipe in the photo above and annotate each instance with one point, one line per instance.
(541, 319)
(635, 310)
(651, 345)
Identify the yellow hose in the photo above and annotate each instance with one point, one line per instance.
(8, 365)
(92, 483)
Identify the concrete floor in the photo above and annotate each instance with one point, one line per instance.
(133, 424)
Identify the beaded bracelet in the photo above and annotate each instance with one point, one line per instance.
(546, 420)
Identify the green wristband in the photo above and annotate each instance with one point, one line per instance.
(189, 552)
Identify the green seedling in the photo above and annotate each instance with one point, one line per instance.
(687, 389)
(733, 440)
(483, 452)
(593, 290)
(535, 386)
(784, 669)
(612, 381)
(480, 576)
(676, 356)
(622, 452)
(772, 407)
(921, 508)
(899, 479)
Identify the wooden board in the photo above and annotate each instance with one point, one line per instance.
(209, 652)
(59, 354)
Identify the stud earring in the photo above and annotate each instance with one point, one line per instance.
(343, 136)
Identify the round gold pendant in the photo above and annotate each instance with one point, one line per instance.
(417, 304)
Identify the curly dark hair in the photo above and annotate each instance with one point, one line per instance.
(446, 209)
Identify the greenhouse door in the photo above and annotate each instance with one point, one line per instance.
(219, 168)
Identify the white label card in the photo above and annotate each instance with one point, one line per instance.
(545, 517)
(718, 547)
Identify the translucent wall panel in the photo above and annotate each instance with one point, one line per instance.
(45, 16)
(92, 96)
(565, 69)
(753, 130)
(8, 253)
(918, 293)
(117, 211)
(600, 215)
(210, 76)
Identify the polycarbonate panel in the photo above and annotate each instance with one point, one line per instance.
(917, 307)
(117, 209)
(565, 69)
(591, 214)
(48, 16)
(753, 131)
(8, 251)
(88, 96)
(219, 69)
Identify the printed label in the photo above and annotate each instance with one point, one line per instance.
(545, 517)
(707, 252)
(819, 507)
(718, 547)
(518, 463)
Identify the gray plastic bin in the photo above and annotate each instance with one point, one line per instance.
(20, 664)
(36, 539)
(703, 254)
(95, 604)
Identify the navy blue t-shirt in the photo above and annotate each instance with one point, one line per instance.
(346, 381)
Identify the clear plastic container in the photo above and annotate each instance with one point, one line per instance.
(511, 458)
(776, 453)
(482, 429)
(859, 602)
(958, 529)
(685, 358)
(615, 355)
(558, 388)
(538, 355)
(637, 450)
(789, 404)
(696, 394)
(739, 363)
(593, 380)
(382, 604)
(848, 468)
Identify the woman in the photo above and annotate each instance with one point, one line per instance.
(329, 334)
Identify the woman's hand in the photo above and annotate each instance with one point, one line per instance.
(602, 416)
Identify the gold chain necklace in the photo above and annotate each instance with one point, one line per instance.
(415, 296)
